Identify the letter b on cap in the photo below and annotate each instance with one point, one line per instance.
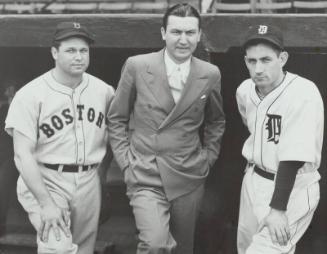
(262, 29)
(77, 25)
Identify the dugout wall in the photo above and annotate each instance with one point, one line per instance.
(25, 42)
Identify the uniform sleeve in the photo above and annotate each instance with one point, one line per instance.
(111, 95)
(22, 116)
(302, 131)
(241, 105)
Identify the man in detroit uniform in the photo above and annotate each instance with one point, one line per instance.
(284, 115)
(60, 136)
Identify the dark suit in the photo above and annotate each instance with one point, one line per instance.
(163, 151)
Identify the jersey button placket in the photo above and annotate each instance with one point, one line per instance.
(79, 132)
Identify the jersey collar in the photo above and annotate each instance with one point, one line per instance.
(50, 81)
(289, 77)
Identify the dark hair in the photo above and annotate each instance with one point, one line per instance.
(181, 10)
(256, 42)
(56, 44)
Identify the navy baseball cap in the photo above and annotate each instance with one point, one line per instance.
(268, 33)
(66, 30)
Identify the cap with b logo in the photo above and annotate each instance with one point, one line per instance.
(66, 30)
(268, 33)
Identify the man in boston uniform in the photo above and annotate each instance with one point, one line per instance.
(166, 97)
(60, 136)
(285, 117)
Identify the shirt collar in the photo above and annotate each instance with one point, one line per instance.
(171, 66)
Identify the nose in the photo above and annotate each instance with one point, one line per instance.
(78, 55)
(183, 38)
(259, 67)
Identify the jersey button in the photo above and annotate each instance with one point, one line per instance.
(80, 143)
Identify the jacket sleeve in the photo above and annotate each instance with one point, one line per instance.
(119, 115)
(214, 121)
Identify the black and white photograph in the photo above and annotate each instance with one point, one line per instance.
(163, 127)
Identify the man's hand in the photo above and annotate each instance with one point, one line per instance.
(55, 217)
(277, 223)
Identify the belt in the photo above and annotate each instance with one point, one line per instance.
(70, 168)
(264, 173)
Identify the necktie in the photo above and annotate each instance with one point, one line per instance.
(176, 84)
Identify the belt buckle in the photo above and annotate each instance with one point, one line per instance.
(80, 168)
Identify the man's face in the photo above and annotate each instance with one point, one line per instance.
(265, 65)
(182, 36)
(72, 57)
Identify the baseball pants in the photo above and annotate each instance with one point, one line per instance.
(77, 192)
(164, 226)
(256, 194)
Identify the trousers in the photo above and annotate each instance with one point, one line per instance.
(256, 194)
(80, 194)
(164, 226)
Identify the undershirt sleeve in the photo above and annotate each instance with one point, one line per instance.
(285, 179)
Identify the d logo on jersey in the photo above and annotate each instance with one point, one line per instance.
(273, 126)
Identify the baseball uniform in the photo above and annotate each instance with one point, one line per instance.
(287, 125)
(69, 127)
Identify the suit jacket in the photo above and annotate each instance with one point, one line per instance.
(163, 148)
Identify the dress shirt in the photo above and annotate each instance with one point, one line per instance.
(177, 75)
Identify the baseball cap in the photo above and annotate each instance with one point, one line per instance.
(65, 30)
(268, 33)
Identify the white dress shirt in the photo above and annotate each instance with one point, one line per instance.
(177, 75)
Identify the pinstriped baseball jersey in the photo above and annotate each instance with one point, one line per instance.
(287, 125)
(68, 125)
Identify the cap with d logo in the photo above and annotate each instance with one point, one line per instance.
(268, 33)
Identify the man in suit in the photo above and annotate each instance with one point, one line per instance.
(163, 101)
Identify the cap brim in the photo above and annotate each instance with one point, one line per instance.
(260, 38)
(74, 34)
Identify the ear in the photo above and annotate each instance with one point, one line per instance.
(163, 33)
(199, 35)
(54, 53)
(245, 60)
(283, 58)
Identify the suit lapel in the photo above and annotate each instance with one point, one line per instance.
(156, 79)
(195, 84)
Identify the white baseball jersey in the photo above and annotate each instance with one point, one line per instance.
(287, 125)
(68, 125)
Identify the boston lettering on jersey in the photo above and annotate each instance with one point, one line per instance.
(65, 118)
(273, 126)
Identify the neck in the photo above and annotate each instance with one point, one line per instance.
(66, 79)
(176, 61)
(263, 91)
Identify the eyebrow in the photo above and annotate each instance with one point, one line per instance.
(261, 58)
(181, 30)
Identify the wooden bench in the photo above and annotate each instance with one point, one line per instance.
(26, 243)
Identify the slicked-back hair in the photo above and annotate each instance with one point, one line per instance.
(181, 10)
